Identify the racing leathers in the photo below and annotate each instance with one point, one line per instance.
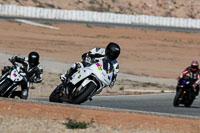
(194, 75)
(33, 75)
(92, 56)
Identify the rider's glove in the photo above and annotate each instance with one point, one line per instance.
(63, 77)
(88, 59)
(12, 58)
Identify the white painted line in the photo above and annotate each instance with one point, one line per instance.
(37, 24)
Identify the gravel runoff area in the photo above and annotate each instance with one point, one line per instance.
(20, 116)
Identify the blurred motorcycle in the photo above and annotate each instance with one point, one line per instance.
(11, 79)
(184, 93)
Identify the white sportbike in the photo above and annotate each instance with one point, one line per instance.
(85, 83)
(10, 80)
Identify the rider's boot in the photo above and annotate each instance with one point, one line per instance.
(66, 76)
(24, 94)
(73, 69)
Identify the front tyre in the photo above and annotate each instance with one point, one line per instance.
(176, 99)
(3, 88)
(55, 95)
(90, 88)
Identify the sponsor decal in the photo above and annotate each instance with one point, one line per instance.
(15, 75)
(99, 67)
(79, 76)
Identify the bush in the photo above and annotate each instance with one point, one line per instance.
(73, 124)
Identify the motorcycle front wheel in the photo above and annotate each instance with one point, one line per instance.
(176, 99)
(3, 88)
(55, 95)
(90, 88)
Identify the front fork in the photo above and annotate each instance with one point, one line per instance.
(65, 92)
(178, 89)
(3, 77)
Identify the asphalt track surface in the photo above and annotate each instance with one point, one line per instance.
(148, 103)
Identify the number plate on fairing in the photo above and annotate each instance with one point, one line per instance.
(15, 76)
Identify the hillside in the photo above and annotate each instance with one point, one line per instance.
(168, 8)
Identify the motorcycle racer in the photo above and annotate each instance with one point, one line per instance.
(193, 72)
(33, 70)
(110, 54)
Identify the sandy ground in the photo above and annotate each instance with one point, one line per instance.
(143, 52)
(148, 53)
(31, 117)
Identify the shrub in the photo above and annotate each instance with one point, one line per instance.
(121, 88)
(73, 124)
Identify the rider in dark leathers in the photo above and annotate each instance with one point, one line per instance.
(33, 70)
(193, 72)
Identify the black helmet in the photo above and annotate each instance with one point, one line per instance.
(112, 51)
(33, 59)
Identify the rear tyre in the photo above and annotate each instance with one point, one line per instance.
(85, 94)
(191, 97)
(189, 103)
(176, 99)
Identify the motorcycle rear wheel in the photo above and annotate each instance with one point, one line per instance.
(189, 103)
